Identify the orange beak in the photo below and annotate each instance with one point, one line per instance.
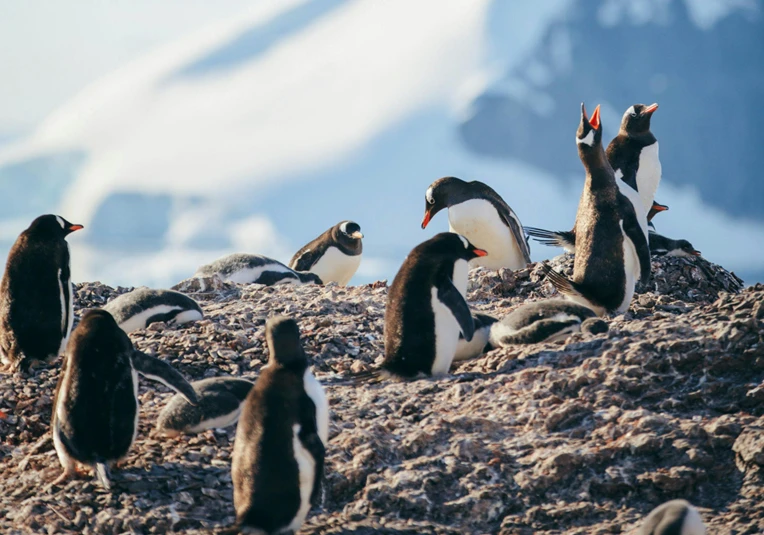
(595, 120)
(426, 219)
(480, 252)
(72, 228)
(659, 207)
(650, 109)
(696, 253)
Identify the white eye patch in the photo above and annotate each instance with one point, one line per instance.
(429, 196)
(464, 241)
(631, 111)
(60, 221)
(344, 226)
(588, 139)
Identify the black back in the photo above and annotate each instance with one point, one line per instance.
(409, 318)
(309, 254)
(96, 391)
(30, 295)
(634, 135)
(132, 303)
(264, 470)
(230, 264)
(449, 191)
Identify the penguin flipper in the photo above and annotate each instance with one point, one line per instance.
(304, 259)
(158, 370)
(310, 440)
(450, 297)
(561, 238)
(633, 231)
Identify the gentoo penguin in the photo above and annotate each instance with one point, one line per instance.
(479, 344)
(36, 307)
(663, 246)
(479, 214)
(95, 410)
(633, 154)
(543, 321)
(426, 307)
(612, 252)
(334, 256)
(676, 517)
(219, 404)
(567, 238)
(143, 306)
(278, 454)
(255, 269)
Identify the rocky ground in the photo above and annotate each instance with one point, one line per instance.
(581, 437)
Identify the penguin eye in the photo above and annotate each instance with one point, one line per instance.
(430, 200)
(633, 114)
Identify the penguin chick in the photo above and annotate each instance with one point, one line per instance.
(143, 306)
(219, 405)
(479, 214)
(676, 517)
(334, 256)
(95, 410)
(663, 246)
(479, 344)
(36, 306)
(255, 269)
(278, 454)
(543, 321)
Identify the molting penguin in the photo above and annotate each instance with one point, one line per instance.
(612, 252)
(36, 307)
(479, 344)
(567, 238)
(255, 269)
(676, 517)
(95, 410)
(334, 256)
(426, 307)
(143, 306)
(219, 405)
(479, 214)
(278, 455)
(663, 246)
(544, 321)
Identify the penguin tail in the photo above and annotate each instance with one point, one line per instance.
(364, 377)
(560, 238)
(102, 472)
(562, 284)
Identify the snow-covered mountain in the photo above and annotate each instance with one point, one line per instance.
(258, 133)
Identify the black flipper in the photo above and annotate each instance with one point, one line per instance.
(562, 238)
(158, 370)
(634, 232)
(304, 260)
(450, 296)
(310, 440)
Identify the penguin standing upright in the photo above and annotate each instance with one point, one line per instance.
(95, 410)
(334, 256)
(479, 214)
(144, 306)
(612, 252)
(278, 454)
(426, 307)
(675, 517)
(36, 307)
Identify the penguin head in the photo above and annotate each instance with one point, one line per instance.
(350, 230)
(52, 226)
(440, 195)
(686, 248)
(100, 324)
(283, 337)
(676, 517)
(636, 120)
(453, 245)
(654, 209)
(589, 134)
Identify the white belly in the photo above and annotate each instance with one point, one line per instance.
(634, 199)
(474, 348)
(139, 320)
(316, 392)
(446, 335)
(631, 269)
(306, 467)
(221, 421)
(479, 222)
(336, 266)
(648, 175)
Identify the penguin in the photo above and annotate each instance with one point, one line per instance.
(479, 214)
(255, 269)
(219, 405)
(426, 308)
(479, 344)
(278, 453)
(95, 409)
(143, 306)
(675, 517)
(543, 321)
(612, 251)
(36, 305)
(334, 256)
(567, 238)
(663, 246)
(633, 154)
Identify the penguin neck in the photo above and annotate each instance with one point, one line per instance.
(642, 139)
(596, 163)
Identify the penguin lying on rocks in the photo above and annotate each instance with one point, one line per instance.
(255, 269)
(144, 306)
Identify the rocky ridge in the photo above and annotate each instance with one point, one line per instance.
(581, 437)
